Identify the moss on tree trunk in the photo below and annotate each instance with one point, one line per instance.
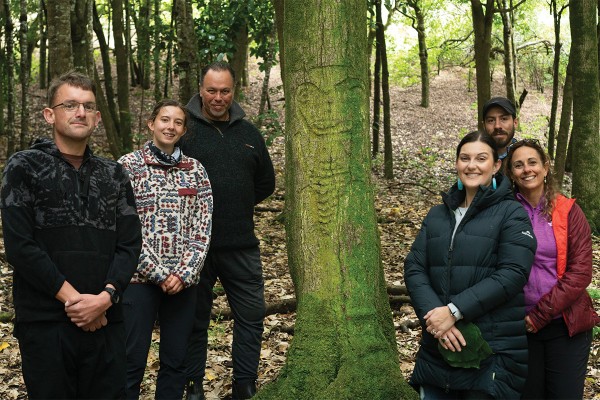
(344, 344)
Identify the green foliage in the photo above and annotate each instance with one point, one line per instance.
(217, 22)
(269, 126)
(595, 295)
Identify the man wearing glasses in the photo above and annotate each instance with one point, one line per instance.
(72, 237)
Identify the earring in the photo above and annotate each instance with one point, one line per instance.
(494, 182)
(544, 180)
(460, 184)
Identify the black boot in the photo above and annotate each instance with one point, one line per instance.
(243, 390)
(194, 391)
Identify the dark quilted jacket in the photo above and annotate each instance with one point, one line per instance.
(483, 273)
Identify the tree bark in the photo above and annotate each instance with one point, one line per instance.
(60, 59)
(279, 15)
(79, 38)
(509, 62)
(25, 70)
(124, 120)
(187, 61)
(376, 101)
(106, 68)
(9, 125)
(483, 13)
(556, 16)
(423, 57)
(388, 155)
(344, 344)
(43, 43)
(240, 56)
(586, 138)
(565, 124)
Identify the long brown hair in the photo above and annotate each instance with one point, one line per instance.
(550, 188)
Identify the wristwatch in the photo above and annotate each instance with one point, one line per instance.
(114, 296)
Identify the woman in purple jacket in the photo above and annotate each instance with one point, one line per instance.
(560, 315)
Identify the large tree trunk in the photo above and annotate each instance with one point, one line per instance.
(482, 27)
(121, 57)
(79, 38)
(344, 345)
(586, 135)
(60, 59)
(565, 124)
(188, 57)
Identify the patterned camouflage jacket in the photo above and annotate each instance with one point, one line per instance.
(175, 206)
(62, 224)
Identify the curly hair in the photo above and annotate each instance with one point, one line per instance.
(550, 188)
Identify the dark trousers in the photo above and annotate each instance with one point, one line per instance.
(142, 303)
(240, 273)
(557, 363)
(61, 361)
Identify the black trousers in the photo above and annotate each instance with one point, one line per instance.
(61, 361)
(142, 303)
(240, 273)
(557, 363)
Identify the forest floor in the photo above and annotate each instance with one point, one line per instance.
(424, 140)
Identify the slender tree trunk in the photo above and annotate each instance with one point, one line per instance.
(168, 71)
(240, 55)
(565, 125)
(43, 77)
(124, 121)
(143, 44)
(344, 345)
(127, 35)
(106, 68)
(483, 13)
(187, 57)
(156, 50)
(268, 62)
(59, 37)
(509, 62)
(79, 36)
(279, 14)
(376, 101)
(9, 126)
(25, 69)
(388, 155)
(586, 134)
(423, 57)
(556, 14)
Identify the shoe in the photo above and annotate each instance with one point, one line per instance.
(194, 391)
(243, 390)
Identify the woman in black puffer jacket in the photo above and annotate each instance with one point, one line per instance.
(469, 263)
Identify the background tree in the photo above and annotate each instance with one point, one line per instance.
(506, 12)
(25, 72)
(417, 18)
(344, 344)
(565, 125)
(388, 155)
(60, 58)
(9, 63)
(483, 17)
(586, 134)
(556, 11)
(187, 57)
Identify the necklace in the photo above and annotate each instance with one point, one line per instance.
(460, 212)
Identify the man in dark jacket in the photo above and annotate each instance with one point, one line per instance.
(241, 175)
(73, 238)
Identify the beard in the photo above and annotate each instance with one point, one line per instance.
(500, 142)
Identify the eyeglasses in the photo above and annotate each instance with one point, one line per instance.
(73, 106)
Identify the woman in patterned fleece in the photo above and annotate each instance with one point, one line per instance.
(174, 202)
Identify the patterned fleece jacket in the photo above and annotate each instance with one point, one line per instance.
(175, 206)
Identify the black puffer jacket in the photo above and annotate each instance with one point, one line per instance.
(482, 272)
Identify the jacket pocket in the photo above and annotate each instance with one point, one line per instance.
(581, 316)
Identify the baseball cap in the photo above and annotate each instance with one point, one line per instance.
(503, 102)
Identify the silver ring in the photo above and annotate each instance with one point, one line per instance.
(433, 332)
